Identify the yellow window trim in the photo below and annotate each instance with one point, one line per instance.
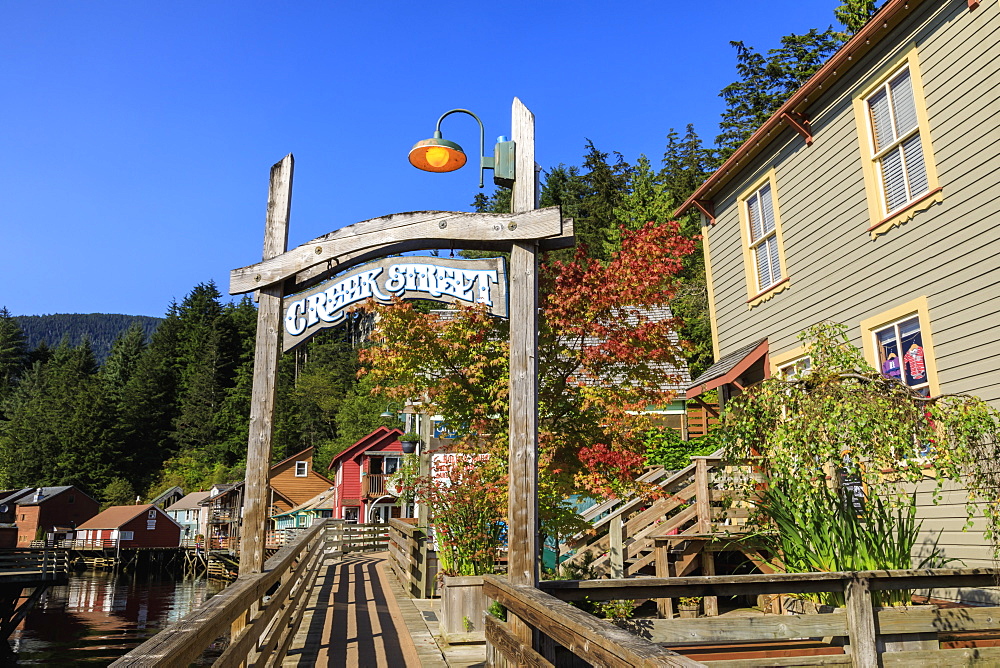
(784, 358)
(755, 297)
(881, 220)
(916, 307)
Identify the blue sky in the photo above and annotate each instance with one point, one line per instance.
(137, 137)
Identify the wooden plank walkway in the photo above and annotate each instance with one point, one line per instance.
(354, 619)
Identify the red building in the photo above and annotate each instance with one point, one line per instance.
(42, 513)
(360, 474)
(132, 526)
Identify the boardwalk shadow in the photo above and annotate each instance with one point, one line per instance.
(352, 623)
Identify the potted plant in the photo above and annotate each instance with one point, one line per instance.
(688, 606)
(409, 441)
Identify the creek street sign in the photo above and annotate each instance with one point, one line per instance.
(466, 282)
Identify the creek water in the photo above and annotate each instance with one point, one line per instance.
(99, 616)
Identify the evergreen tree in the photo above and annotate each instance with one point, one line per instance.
(118, 369)
(202, 360)
(606, 183)
(766, 82)
(148, 404)
(13, 353)
(854, 14)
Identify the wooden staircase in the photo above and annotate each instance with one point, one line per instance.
(623, 541)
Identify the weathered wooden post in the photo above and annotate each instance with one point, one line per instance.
(522, 514)
(265, 371)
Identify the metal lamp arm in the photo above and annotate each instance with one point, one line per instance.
(483, 160)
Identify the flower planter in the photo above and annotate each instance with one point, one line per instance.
(462, 607)
(687, 611)
(409, 447)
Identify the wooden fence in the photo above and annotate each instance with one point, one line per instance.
(346, 538)
(260, 612)
(412, 559)
(44, 565)
(876, 637)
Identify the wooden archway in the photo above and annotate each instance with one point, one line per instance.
(284, 272)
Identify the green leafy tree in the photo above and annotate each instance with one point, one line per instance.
(118, 492)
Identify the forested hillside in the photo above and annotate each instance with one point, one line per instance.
(100, 328)
(170, 403)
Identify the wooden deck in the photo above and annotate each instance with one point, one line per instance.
(358, 615)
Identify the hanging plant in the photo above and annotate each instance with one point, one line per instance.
(845, 427)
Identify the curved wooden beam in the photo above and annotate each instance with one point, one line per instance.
(399, 232)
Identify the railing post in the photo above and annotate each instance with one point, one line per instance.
(703, 501)
(616, 553)
(664, 606)
(861, 623)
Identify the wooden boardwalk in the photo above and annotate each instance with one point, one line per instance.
(357, 615)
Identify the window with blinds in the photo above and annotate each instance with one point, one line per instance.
(763, 237)
(896, 141)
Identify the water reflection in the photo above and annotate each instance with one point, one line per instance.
(99, 616)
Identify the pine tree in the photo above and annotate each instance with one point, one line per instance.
(854, 14)
(766, 82)
(13, 353)
(606, 184)
(118, 369)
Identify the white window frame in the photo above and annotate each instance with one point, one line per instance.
(302, 466)
(795, 368)
(768, 238)
(904, 364)
(126, 535)
(896, 142)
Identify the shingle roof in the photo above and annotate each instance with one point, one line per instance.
(190, 502)
(47, 493)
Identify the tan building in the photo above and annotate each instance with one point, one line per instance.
(872, 198)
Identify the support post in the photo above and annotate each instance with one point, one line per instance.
(861, 623)
(616, 552)
(702, 501)
(522, 515)
(265, 371)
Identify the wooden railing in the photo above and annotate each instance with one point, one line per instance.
(375, 485)
(45, 564)
(562, 628)
(892, 636)
(414, 563)
(261, 611)
(624, 530)
(346, 538)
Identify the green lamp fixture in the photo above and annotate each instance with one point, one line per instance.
(389, 414)
(438, 154)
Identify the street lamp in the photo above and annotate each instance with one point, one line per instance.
(388, 414)
(441, 155)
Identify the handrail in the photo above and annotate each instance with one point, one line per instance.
(863, 624)
(293, 568)
(596, 641)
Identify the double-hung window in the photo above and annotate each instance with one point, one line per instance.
(760, 228)
(900, 176)
(896, 141)
(764, 238)
(898, 344)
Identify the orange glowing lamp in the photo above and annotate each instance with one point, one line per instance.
(440, 155)
(437, 155)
